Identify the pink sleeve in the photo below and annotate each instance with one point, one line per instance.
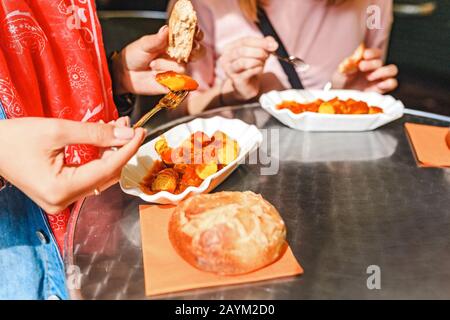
(203, 69)
(379, 37)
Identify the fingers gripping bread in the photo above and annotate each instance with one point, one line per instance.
(351, 64)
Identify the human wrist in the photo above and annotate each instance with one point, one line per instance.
(117, 73)
(123, 99)
(222, 101)
(228, 94)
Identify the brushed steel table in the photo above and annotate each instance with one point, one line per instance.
(352, 202)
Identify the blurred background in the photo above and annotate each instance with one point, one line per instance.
(420, 44)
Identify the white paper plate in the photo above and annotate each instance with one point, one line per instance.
(248, 136)
(311, 121)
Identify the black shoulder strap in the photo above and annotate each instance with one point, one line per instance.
(268, 30)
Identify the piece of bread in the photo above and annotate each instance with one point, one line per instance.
(228, 233)
(351, 64)
(182, 28)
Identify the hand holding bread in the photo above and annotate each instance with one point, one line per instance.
(365, 70)
(351, 64)
(136, 66)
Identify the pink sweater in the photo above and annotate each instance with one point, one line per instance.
(321, 35)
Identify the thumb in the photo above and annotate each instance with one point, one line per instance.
(340, 80)
(97, 134)
(86, 178)
(155, 44)
(271, 44)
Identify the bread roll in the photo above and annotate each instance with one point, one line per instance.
(351, 64)
(228, 233)
(182, 28)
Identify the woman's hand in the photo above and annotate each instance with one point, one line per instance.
(373, 75)
(243, 62)
(32, 157)
(135, 67)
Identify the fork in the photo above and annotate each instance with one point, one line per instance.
(170, 101)
(298, 63)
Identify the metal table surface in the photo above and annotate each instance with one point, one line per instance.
(349, 200)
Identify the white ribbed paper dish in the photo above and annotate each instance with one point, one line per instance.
(311, 121)
(248, 136)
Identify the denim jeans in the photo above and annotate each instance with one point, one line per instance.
(31, 266)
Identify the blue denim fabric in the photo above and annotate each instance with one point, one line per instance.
(2, 112)
(31, 266)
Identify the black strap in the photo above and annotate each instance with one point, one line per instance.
(268, 30)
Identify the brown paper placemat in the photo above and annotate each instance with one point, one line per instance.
(429, 145)
(166, 272)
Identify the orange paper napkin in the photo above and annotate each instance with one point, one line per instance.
(166, 272)
(429, 145)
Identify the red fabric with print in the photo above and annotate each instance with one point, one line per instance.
(52, 64)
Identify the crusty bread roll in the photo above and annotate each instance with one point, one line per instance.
(182, 28)
(228, 233)
(351, 64)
